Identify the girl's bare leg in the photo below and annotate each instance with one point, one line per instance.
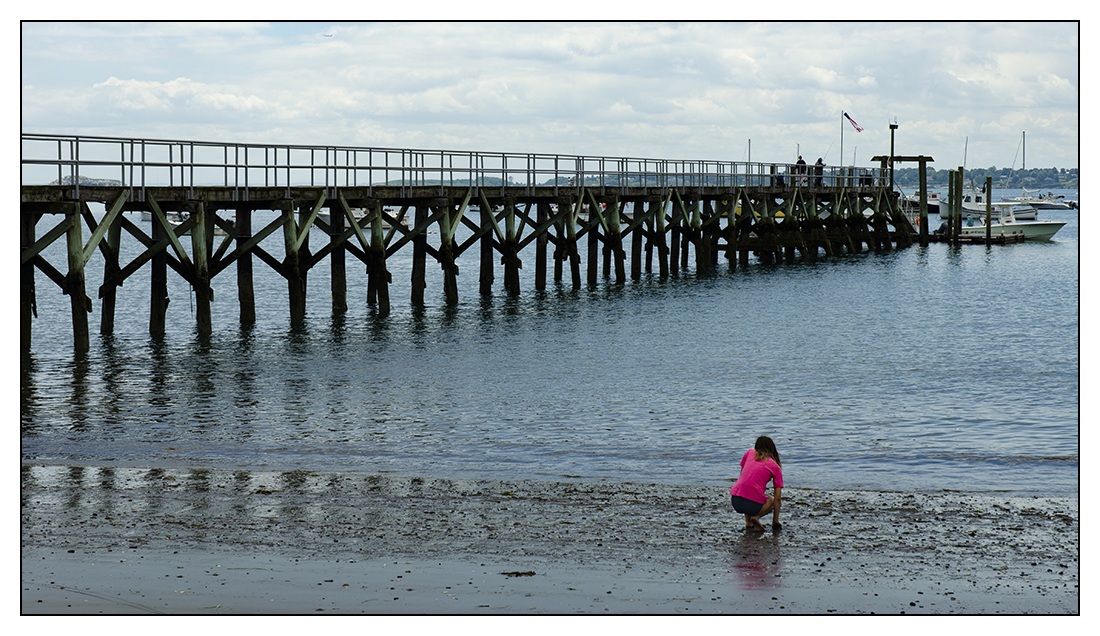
(755, 521)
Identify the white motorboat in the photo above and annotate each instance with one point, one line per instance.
(973, 203)
(359, 213)
(1008, 225)
(175, 219)
(911, 203)
(1048, 201)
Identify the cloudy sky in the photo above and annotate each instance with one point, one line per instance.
(662, 90)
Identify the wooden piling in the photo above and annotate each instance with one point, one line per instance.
(420, 252)
(659, 232)
(158, 278)
(487, 260)
(199, 255)
(246, 292)
(542, 212)
(593, 246)
(988, 210)
(108, 293)
(615, 238)
(337, 260)
(382, 273)
(959, 185)
(636, 237)
(573, 252)
(923, 197)
(510, 248)
(448, 224)
(291, 265)
(27, 302)
(74, 280)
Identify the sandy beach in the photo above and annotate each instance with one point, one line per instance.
(109, 540)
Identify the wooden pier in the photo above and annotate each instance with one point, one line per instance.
(621, 213)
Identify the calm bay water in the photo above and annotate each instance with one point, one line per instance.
(921, 369)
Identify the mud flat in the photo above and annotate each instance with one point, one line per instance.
(202, 541)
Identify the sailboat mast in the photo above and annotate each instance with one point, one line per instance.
(1023, 141)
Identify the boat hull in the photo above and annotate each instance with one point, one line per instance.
(1032, 231)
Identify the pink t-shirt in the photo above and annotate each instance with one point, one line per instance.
(755, 477)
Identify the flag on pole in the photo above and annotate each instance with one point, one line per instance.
(854, 124)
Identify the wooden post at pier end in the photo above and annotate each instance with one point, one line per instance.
(923, 198)
(950, 206)
(988, 210)
(960, 186)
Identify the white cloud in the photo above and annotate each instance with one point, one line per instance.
(644, 89)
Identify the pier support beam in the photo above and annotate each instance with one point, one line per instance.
(542, 215)
(701, 229)
(593, 246)
(448, 223)
(923, 196)
(636, 236)
(110, 267)
(510, 249)
(569, 246)
(487, 256)
(337, 260)
(614, 240)
(246, 294)
(296, 284)
(659, 237)
(200, 250)
(158, 282)
(420, 253)
(378, 277)
(74, 280)
(27, 304)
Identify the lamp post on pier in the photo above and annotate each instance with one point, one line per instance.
(893, 127)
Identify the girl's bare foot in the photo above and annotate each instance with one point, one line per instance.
(756, 525)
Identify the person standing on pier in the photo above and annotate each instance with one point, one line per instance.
(759, 465)
(819, 169)
(800, 168)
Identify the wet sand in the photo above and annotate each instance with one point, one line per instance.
(201, 541)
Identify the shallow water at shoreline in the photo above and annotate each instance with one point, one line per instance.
(842, 551)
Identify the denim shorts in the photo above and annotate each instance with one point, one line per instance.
(746, 506)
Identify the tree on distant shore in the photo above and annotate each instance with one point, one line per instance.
(1036, 178)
